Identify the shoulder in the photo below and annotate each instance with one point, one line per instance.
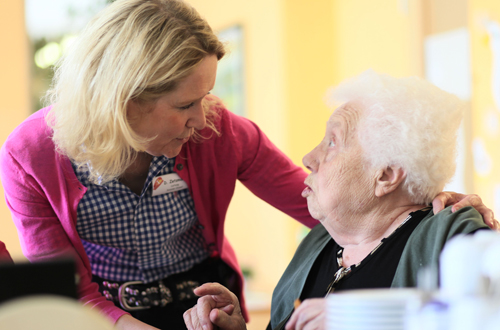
(33, 132)
(425, 244)
(30, 144)
(436, 229)
(447, 224)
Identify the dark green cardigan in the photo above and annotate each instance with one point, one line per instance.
(422, 249)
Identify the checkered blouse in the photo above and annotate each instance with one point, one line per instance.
(129, 237)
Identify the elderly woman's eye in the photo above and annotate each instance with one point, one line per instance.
(331, 144)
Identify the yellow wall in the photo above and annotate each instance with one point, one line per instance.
(310, 69)
(328, 41)
(485, 111)
(385, 35)
(295, 50)
(444, 15)
(251, 223)
(14, 93)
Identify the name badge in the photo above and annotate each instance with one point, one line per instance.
(168, 183)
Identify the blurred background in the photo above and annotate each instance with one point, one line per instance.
(284, 54)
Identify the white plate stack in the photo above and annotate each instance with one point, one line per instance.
(375, 309)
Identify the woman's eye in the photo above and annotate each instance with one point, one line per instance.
(187, 106)
(331, 144)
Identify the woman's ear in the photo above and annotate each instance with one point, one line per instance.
(388, 180)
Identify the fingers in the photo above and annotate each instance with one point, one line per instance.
(187, 319)
(473, 200)
(211, 289)
(219, 294)
(445, 198)
(229, 309)
(468, 200)
(494, 224)
(216, 306)
(437, 205)
(234, 321)
(197, 318)
(488, 217)
(192, 321)
(213, 295)
(476, 202)
(439, 202)
(203, 309)
(308, 316)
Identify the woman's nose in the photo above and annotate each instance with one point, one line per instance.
(197, 119)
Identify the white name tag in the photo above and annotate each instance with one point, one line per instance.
(168, 183)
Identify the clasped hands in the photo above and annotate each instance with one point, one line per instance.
(217, 308)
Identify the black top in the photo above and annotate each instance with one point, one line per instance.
(377, 270)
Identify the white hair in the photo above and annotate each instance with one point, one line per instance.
(406, 122)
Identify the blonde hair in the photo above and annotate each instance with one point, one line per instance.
(133, 50)
(406, 122)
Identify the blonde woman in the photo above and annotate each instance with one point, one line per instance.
(132, 166)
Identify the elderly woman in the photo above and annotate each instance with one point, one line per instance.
(387, 151)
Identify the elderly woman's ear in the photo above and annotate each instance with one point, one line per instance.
(388, 180)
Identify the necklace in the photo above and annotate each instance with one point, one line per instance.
(339, 274)
(343, 271)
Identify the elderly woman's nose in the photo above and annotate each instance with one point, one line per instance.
(309, 161)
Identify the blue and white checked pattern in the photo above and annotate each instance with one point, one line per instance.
(139, 238)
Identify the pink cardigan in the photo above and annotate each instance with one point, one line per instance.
(4, 254)
(43, 192)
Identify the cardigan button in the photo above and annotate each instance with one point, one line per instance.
(180, 167)
(211, 247)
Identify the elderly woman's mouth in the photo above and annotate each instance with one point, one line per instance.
(307, 191)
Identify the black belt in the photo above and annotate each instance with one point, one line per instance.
(137, 295)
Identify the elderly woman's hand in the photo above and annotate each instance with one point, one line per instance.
(447, 198)
(310, 315)
(217, 308)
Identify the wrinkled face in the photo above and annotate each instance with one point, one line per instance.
(338, 183)
(170, 120)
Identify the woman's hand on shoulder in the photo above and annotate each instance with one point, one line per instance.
(217, 308)
(447, 198)
(309, 315)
